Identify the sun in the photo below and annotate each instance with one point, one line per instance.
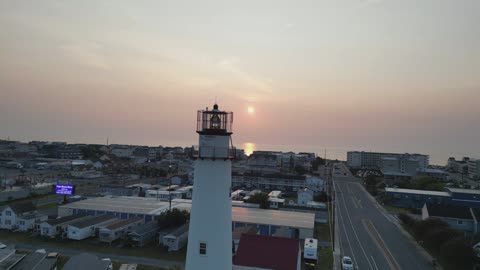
(250, 110)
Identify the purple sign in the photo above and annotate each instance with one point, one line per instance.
(64, 189)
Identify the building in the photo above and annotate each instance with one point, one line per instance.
(57, 226)
(299, 224)
(35, 261)
(458, 166)
(238, 232)
(267, 221)
(121, 207)
(438, 174)
(177, 239)
(87, 227)
(373, 160)
(267, 252)
(30, 222)
(87, 261)
(304, 196)
(143, 234)
(460, 218)
(272, 181)
(412, 198)
(474, 169)
(118, 228)
(10, 215)
(210, 235)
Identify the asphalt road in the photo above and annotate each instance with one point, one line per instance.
(371, 237)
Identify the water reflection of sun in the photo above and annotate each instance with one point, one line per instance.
(249, 148)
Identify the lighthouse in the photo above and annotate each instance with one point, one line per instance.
(210, 230)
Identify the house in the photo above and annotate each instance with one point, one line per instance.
(27, 222)
(98, 165)
(143, 234)
(53, 227)
(177, 239)
(128, 267)
(304, 196)
(9, 215)
(460, 218)
(88, 227)
(117, 229)
(179, 179)
(87, 261)
(275, 203)
(267, 252)
(238, 232)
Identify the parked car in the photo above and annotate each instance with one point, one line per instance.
(347, 263)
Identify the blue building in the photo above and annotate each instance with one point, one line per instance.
(412, 198)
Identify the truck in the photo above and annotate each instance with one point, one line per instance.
(310, 253)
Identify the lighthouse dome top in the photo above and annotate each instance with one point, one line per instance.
(214, 122)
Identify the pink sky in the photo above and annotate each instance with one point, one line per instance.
(355, 74)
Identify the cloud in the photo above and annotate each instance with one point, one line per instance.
(255, 85)
(87, 53)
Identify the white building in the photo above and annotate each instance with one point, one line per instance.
(304, 196)
(177, 239)
(373, 160)
(474, 169)
(27, 222)
(54, 227)
(118, 229)
(210, 234)
(86, 228)
(12, 213)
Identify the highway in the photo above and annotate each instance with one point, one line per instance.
(369, 235)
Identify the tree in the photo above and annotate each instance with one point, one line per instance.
(260, 199)
(371, 184)
(317, 162)
(173, 218)
(422, 227)
(322, 197)
(458, 253)
(435, 238)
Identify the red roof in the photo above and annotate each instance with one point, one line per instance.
(267, 252)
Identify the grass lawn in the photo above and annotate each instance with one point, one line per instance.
(322, 232)
(86, 245)
(395, 210)
(325, 259)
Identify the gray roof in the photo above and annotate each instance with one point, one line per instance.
(418, 192)
(30, 261)
(11, 260)
(122, 223)
(464, 190)
(180, 230)
(92, 221)
(86, 261)
(146, 228)
(22, 207)
(64, 219)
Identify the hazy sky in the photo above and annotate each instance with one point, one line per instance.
(348, 74)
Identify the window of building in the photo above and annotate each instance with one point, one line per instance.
(8, 222)
(8, 213)
(21, 222)
(459, 222)
(203, 248)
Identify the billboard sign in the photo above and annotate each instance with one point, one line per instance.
(63, 189)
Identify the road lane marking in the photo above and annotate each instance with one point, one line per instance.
(372, 231)
(353, 229)
(342, 221)
(354, 203)
(374, 263)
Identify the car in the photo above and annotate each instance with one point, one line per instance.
(110, 266)
(347, 263)
(2, 246)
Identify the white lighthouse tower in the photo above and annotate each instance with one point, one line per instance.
(210, 232)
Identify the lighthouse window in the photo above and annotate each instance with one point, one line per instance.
(203, 248)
